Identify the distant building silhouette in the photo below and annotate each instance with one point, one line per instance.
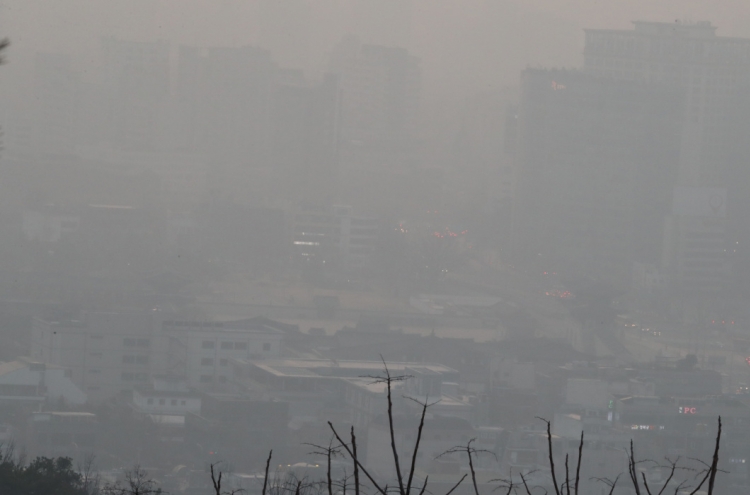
(596, 160)
(712, 74)
(380, 90)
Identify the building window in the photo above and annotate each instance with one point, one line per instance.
(223, 362)
(161, 402)
(208, 344)
(207, 362)
(95, 354)
(222, 379)
(141, 359)
(266, 347)
(242, 346)
(143, 342)
(227, 345)
(68, 373)
(149, 401)
(128, 359)
(206, 379)
(95, 371)
(182, 403)
(128, 342)
(174, 402)
(129, 377)
(93, 388)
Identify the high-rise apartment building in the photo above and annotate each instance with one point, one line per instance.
(708, 70)
(595, 165)
(380, 89)
(712, 74)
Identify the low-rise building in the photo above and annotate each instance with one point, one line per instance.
(201, 351)
(62, 434)
(152, 402)
(30, 382)
(316, 389)
(105, 354)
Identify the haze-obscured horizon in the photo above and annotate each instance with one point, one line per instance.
(464, 46)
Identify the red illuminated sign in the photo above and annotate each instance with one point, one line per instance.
(687, 410)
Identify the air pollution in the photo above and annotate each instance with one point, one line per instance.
(374, 247)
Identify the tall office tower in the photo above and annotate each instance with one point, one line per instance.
(136, 84)
(225, 99)
(56, 88)
(596, 160)
(711, 72)
(380, 89)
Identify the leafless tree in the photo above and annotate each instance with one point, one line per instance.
(135, 482)
(216, 482)
(4, 44)
(471, 452)
(702, 475)
(330, 451)
(404, 488)
(90, 477)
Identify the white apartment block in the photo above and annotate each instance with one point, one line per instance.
(201, 351)
(110, 354)
(105, 353)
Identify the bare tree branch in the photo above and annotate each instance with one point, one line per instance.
(470, 452)
(216, 482)
(454, 486)
(610, 483)
(330, 452)
(551, 459)
(412, 468)
(645, 483)
(391, 428)
(671, 474)
(715, 461)
(525, 484)
(356, 467)
(424, 486)
(4, 44)
(356, 460)
(265, 478)
(578, 467)
(632, 469)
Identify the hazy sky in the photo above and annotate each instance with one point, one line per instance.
(464, 44)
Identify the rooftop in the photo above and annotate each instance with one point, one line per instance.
(254, 325)
(332, 367)
(22, 363)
